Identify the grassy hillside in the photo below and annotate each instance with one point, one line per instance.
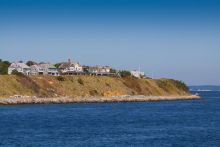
(48, 86)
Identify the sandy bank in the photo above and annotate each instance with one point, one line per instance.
(65, 100)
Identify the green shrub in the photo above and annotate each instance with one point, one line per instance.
(60, 78)
(180, 85)
(15, 72)
(113, 71)
(161, 83)
(30, 63)
(86, 71)
(124, 73)
(107, 84)
(93, 92)
(164, 83)
(80, 81)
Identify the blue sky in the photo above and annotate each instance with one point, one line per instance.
(168, 38)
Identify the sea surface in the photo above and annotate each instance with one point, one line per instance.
(183, 123)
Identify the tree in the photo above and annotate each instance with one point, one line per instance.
(57, 65)
(30, 63)
(113, 71)
(7, 63)
(4, 67)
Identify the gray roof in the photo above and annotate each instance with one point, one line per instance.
(47, 65)
(18, 64)
(68, 64)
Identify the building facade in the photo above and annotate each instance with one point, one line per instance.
(100, 70)
(44, 69)
(19, 67)
(71, 67)
(137, 73)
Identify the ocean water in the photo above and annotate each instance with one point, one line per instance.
(185, 123)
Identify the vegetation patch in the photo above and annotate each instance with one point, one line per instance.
(180, 85)
(124, 73)
(57, 65)
(80, 81)
(60, 78)
(132, 84)
(4, 67)
(15, 72)
(93, 92)
(49, 86)
(29, 83)
(30, 63)
(163, 84)
(107, 84)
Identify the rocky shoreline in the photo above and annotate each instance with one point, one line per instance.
(66, 100)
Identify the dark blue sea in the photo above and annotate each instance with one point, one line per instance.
(184, 123)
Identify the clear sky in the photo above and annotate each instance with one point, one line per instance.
(168, 38)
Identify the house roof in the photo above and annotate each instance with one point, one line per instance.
(100, 67)
(43, 66)
(35, 66)
(69, 64)
(47, 65)
(18, 64)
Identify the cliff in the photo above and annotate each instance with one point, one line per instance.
(86, 86)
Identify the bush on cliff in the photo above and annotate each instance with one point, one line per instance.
(93, 92)
(165, 83)
(15, 72)
(162, 83)
(181, 85)
(124, 73)
(80, 81)
(60, 78)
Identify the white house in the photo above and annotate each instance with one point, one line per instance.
(49, 69)
(102, 70)
(137, 73)
(71, 67)
(20, 67)
(36, 70)
(44, 69)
